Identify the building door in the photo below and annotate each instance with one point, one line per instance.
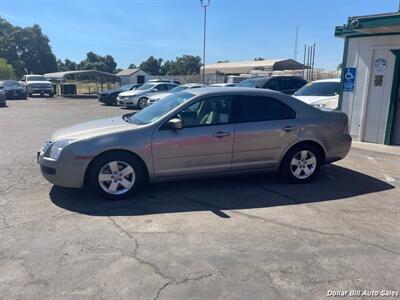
(378, 98)
(140, 79)
(396, 125)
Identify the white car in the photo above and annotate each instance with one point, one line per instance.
(138, 98)
(179, 88)
(320, 93)
(223, 85)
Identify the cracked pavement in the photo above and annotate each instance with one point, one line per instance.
(242, 237)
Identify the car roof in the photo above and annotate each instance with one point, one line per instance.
(234, 90)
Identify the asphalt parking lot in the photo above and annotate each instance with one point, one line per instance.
(243, 237)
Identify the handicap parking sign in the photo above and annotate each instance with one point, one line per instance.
(349, 79)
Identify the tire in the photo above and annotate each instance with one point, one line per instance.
(301, 163)
(142, 102)
(51, 95)
(117, 162)
(30, 95)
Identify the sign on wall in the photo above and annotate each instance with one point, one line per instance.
(380, 66)
(349, 79)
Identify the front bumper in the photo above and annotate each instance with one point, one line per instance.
(63, 172)
(127, 101)
(38, 90)
(107, 99)
(15, 94)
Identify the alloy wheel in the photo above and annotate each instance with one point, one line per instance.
(303, 164)
(116, 177)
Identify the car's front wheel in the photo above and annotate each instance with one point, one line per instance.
(116, 175)
(301, 163)
(142, 102)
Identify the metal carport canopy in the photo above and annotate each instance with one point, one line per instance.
(240, 67)
(61, 76)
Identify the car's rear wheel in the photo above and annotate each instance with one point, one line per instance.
(301, 164)
(142, 102)
(116, 175)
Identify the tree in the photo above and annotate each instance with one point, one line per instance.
(183, 65)
(132, 66)
(98, 62)
(222, 61)
(6, 70)
(67, 65)
(339, 67)
(152, 66)
(26, 49)
(259, 58)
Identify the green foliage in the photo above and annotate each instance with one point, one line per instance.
(152, 66)
(132, 66)
(183, 65)
(26, 49)
(98, 62)
(6, 70)
(339, 67)
(222, 61)
(67, 65)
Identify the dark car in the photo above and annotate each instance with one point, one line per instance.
(109, 97)
(13, 89)
(284, 84)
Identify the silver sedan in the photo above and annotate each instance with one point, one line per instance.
(198, 132)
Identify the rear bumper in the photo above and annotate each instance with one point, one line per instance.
(341, 149)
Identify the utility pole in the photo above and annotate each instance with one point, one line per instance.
(204, 4)
(296, 40)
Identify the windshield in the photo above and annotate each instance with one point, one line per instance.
(251, 83)
(157, 110)
(9, 83)
(319, 89)
(36, 78)
(146, 86)
(178, 89)
(126, 87)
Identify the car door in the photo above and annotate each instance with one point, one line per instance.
(265, 128)
(203, 145)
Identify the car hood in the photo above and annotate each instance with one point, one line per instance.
(13, 88)
(93, 128)
(133, 93)
(38, 82)
(325, 101)
(159, 96)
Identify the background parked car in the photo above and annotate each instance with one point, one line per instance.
(109, 97)
(223, 85)
(164, 80)
(2, 97)
(284, 84)
(13, 89)
(179, 88)
(139, 97)
(37, 84)
(320, 93)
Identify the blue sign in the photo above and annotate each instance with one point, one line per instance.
(349, 79)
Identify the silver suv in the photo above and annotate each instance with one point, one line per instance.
(197, 132)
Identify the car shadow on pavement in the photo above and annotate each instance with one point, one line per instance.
(219, 194)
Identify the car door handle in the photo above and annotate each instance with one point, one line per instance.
(221, 134)
(289, 128)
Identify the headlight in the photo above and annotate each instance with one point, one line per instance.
(57, 147)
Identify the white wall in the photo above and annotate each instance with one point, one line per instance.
(361, 54)
(133, 78)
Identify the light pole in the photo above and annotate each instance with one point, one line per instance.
(204, 3)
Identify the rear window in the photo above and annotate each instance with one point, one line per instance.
(259, 108)
(319, 89)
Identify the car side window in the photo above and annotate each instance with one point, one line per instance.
(298, 83)
(261, 108)
(161, 87)
(170, 86)
(272, 84)
(209, 111)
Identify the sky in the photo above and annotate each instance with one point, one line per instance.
(132, 30)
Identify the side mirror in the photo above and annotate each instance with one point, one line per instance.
(175, 123)
(154, 90)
